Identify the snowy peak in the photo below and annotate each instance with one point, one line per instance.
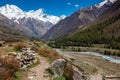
(12, 8)
(105, 2)
(15, 13)
(11, 11)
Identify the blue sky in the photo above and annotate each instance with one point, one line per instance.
(54, 7)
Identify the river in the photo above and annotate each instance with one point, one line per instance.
(109, 58)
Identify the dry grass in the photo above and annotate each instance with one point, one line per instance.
(8, 66)
(48, 53)
(19, 46)
(34, 48)
(68, 74)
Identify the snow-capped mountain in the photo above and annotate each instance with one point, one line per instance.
(15, 13)
(105, 2)
(33, 23)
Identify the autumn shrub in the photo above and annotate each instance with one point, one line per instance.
(34, 48)
(59, 78)
(48, 53)
(68, 74)
(8, 66)
(19, 46)
(118, 54)
(107, 52)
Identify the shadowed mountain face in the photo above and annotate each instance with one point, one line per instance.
(107, 25)
(76, 21)
(7, 22)
(33, 27)
(30, 27)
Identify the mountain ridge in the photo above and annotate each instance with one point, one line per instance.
(15, 13)
(31, 23)
(76, 20)
(105, 30)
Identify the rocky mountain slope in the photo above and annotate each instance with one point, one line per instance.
(32, 23)
(10, 34)
(105, 30)
(77, 20)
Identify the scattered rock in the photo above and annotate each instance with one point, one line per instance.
(58, 67)
(30, 77)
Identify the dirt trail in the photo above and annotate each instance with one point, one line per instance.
(38, 72)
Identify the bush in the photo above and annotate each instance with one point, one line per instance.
(68, 74)
(34, 48)
(60, 78)
(19, 46)
(48, 53)
(1, 45)
(118, 54)
(114, 53)
(107, 53)
(9, 65)
(50, 70)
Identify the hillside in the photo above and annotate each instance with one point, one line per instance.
(106, 30)
(10, 34)
(77, 20)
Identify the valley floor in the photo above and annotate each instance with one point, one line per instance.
(93, 65)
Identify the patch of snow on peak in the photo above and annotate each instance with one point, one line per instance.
(113, 1)
(15, 13)
(11, 11)
(63, 16)
(105, 2)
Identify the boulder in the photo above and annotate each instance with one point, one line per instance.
(58, 67)
(77, 75)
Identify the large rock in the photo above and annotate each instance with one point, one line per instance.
(58, 67)
(77, 75)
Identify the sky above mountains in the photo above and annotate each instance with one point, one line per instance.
(54, 7)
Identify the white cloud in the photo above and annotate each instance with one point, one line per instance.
(76, 5)
(68, 3)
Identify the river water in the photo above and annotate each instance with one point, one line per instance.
(109, 58)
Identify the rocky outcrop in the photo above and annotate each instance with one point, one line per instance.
(58, 67)
(27, 57)
(33, 27)
(77, 75)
